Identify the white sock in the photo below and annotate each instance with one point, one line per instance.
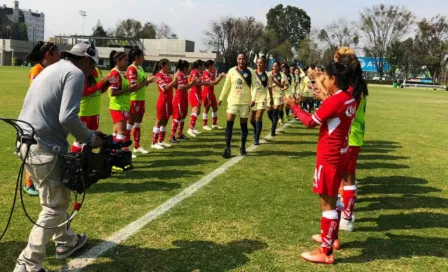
(330, 214)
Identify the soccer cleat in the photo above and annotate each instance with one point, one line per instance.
(195, 131)
(163, 144)
(141, 150)
(117, 169)
(346, 224)
(174, 140)
(31, 190)
(157, 146)
(318, 256)
(227, 153)
(206, 128)
(63, 251)
(318, 239)
(216, 127)
(191, 133)
(134, 156)
(256, 142)
(183, 137)
(243, 151)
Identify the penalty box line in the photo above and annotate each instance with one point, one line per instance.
(88, 257)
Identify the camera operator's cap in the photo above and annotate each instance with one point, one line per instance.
(83, 49)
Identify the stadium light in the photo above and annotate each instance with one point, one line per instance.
(83, 14)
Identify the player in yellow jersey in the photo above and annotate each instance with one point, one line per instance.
(288, 91)
(276, 104)
(240, 86)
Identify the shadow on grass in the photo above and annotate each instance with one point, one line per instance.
(159, 186)
(395, 247)
(381, 165)
(168, 174)
(172, 162)
(403, 203)
(204, 256)
(293, 154)
(411, 221)
(406, 186)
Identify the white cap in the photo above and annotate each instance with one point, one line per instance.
(83, 49)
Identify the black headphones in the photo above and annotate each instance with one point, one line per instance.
(91, 51)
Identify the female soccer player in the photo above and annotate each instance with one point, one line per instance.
(297, 77)
(240, 85)
(288, 90)
(276, 105)
(119, 94)
(136, 75)
(180, 101)
(208, 94)
(306, 90)
(44, 55)
(334, 118)
(264, 90)
(164, 106)
(195, 97)
(90, 107)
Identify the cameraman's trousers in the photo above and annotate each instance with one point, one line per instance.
(45, 170)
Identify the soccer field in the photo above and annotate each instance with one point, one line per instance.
(259, 214)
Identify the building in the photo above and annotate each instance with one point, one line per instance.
(21, 24)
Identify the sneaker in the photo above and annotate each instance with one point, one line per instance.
(174, 140)
(163, 144)
(22, 268)
(31, 190)
(157, 146)
(141, 150)
(317, 256)
(195, 131)
(346, 224)
(243, 151)
(206, 128)
(183, 137)
(117, 169)
(216, 127)
(256, 142)
(63, 251)
(318, 239)
(227, 153)
(191, 133)
(134, 156)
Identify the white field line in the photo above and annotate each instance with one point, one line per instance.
(80, 262)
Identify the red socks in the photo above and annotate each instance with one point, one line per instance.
(128, 132)
(136, 135)
(162, 134)
(180, 131)
(215, 118)
(205, 117)
(155, 135)
(329, 230)
(194, 117)
(349, 199)
(174, 128)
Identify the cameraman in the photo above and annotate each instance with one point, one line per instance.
(51, 106)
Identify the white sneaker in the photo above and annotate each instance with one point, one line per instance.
(191, 133)
(134, 156)
(216, 127)
(163, 144)
(196, 132)
(157, 146)
(206, 128)
(346, 225)
(141, 150)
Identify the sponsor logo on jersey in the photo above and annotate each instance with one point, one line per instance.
(351, 111)
(239, 81)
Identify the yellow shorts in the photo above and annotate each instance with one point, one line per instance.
(278, 100)
(241, 110)
(259, 106)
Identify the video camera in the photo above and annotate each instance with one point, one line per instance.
(82, 170)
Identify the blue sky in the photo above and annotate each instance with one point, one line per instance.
(190, 18)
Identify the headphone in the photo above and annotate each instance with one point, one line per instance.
(91, 51)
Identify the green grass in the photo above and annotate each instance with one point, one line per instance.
(261, 213)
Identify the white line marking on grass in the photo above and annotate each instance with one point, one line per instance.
(77, 264)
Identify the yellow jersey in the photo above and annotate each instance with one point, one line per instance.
(241, 86)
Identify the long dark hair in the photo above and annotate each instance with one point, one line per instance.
(209, 63)
(159, 65)
(197, 64)
(343, 74)
(114, 56)
(134, 53)
(39, 51)
(357, 79)
(285, 65)
(182, 64)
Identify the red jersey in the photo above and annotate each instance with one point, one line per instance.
(162, 80)
(115, 80)
(182, 80)
(90, 87)
(208, 77)
(335, 117)
(195, 73)
(131, 74)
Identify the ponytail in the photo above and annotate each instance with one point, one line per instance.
(181, 64)
(113, 57)
(39, 51)
(159, 65)
(357, 80)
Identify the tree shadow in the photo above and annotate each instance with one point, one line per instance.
(411, 221)
(204, 256)
(394, 185)
(403, 203)
(108, 187)
(167, 174)
(383, 144)
(173, 162)
(381, 165)
(395, 247)
(299, 154)
(293, 142)
(385, 157)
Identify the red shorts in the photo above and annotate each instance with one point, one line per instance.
(138, 107)
(327, 179)
(164, 108)
(118, 116)
(180, 108)
(351, 159)
(91, 122)
(195, 99)
(209, 99)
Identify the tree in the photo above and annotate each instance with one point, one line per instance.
(148, 31)
(248, 33)
(308, 52)
(128, 28)
(431, 43)
(283, 52)
(339, 33)
(98, 31)
(164, 31)
(289, 24)
(382, 25)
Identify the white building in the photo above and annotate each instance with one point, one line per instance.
(34, 21)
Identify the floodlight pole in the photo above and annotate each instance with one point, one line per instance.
(83, 14)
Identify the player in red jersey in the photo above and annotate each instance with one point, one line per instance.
(195, 97)
(335, 118)
(180, 101)
(208, 94)
(164, 106)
